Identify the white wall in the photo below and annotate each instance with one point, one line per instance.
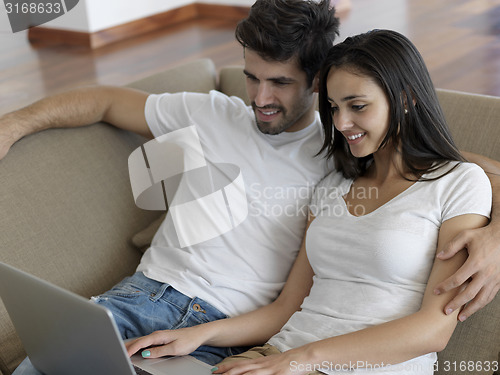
(246, 3)
(95, 15)
(4, 20)
(108, 13)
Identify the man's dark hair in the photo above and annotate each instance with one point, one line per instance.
(279, 30)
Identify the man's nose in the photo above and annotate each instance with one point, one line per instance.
(264, 95)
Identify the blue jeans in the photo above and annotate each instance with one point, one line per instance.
(141, 306)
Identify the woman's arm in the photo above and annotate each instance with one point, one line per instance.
(425, 331)
(253, 328)
(483, 245)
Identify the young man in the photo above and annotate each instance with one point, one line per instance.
(274, 144)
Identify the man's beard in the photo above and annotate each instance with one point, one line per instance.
(265, 126)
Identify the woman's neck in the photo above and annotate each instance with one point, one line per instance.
(388, 165)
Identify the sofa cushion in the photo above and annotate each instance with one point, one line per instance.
(474, 121)
(68, 213)
(143, 238)
(474, 344)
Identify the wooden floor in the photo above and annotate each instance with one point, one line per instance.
(459, 39)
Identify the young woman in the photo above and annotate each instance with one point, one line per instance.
(367, 268)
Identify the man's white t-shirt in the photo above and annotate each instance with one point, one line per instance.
(374, 268)
(246, 267)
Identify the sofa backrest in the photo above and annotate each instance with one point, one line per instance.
(475, 123)
(194, 76)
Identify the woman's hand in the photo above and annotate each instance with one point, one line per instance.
(292, 362)
(166, 343)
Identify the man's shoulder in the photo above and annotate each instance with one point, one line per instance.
(198, 105)
(189, 96)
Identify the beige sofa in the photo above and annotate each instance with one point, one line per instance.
(67, 213)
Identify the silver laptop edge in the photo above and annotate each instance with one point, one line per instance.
(63, 332)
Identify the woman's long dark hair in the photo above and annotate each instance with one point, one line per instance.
(390, 59)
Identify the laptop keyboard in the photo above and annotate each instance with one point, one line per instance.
(140, 371)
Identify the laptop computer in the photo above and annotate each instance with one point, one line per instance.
(64, 333)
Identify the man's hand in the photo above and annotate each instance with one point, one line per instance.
(482, 270)
(166, 343)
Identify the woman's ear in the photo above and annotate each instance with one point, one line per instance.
(405, 101)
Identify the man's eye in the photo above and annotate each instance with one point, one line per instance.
(250, 77)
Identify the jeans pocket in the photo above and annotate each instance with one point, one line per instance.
(125, 288)
(125, 291)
